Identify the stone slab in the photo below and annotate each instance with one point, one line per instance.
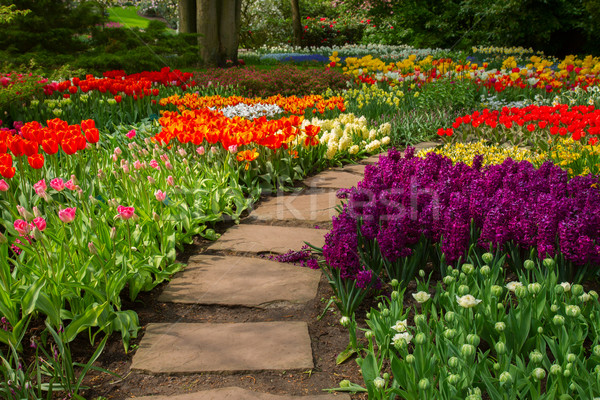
(425, 145)
(333, 179)
(303, 206)
(267, 238)
(232, 347)
(241, 281)
(235, 393)
(358, 169)
(374, 159)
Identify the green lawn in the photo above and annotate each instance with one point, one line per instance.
(128, 17)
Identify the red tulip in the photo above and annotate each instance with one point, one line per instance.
(88, 124)
(92, 135)
(50, 146)
(7, 172)
(16, 146)
(69, 146)
(6, 160)
(36, 161)
(30, 147)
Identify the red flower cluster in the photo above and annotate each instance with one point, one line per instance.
(117, 82)
(578, 121)
(195, 126)
(33, 135)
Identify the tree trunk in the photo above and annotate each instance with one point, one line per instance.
(218, 25)
(229, 30)
(296, 24)
(208, 29)
(187, 16)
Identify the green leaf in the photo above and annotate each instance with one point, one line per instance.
(31, 295)
(345, 355)
(84, 321)
(128, 324)
(47, 306)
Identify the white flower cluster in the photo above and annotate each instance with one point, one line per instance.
(348, 133)
(251, 111)
(505, 50)
(576, 96)
(494, 103)
(382, 51)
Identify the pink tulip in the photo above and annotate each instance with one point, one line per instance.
(22, 227)
(164, 157)
(117, 151)
(151, 180)
(137, 164)
(182, 152)
(67, 215)
(57, 184)
(154, 164)
(40, 187)
(24, 213)
(39, 223)
(200, 150)
(71, 185)
(233, 148)
(214, 150)
(170, 181)
(4, 186)
(130, 134)
(160, 195)
(125, 212)
(168, 165)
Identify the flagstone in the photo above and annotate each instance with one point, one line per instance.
(230, 347)
(374, 159)
(333, 179)
(241, 281)
(353, 168)
(425, 145)
(235, 393)
(252, 238)
(303, 206)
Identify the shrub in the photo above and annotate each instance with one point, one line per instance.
(330, 32)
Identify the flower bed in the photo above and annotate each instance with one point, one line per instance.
(410, 210)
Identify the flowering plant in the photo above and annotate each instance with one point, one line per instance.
(481, 337)
(429, 209)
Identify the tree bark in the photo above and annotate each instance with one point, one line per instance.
(229, 30)
(218, 25)
(207, 23)
(296, 24)
(187, 16)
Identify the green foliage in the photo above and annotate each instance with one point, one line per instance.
(127, 16)
(476, 336)
(51, 26)
(556, 27)
(322, 31)
(8, 13)
(130, 49)
(166, 9)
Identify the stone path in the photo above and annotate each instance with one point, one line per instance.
(231, 274)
